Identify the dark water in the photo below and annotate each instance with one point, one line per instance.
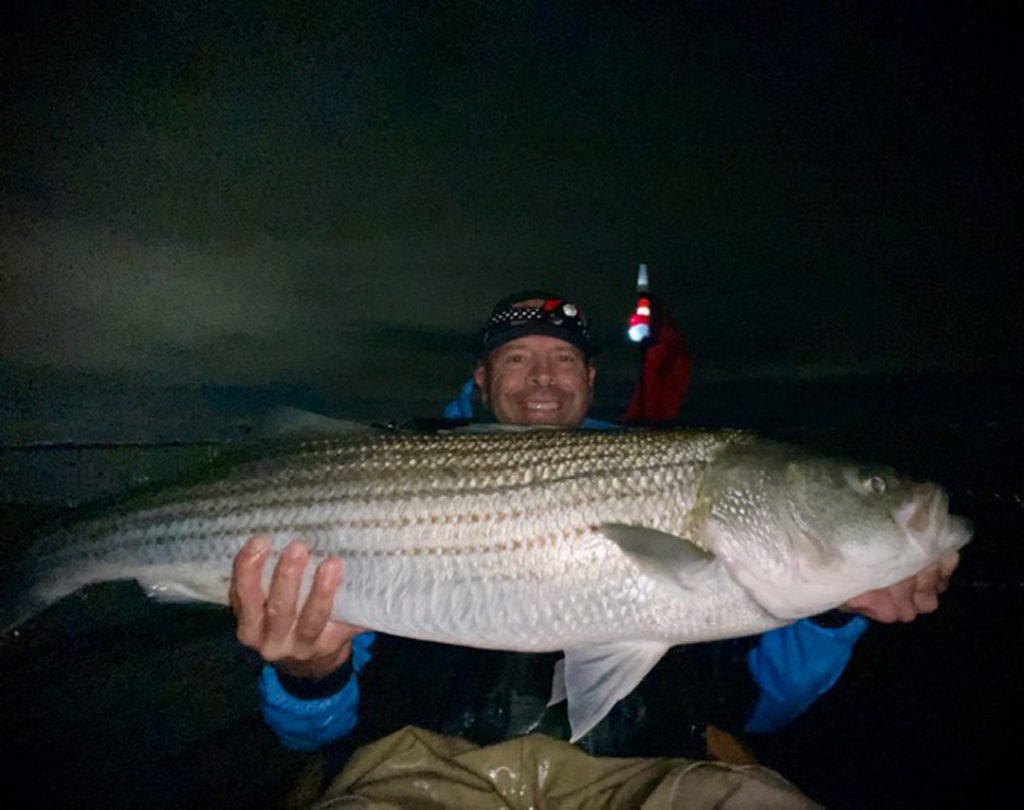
(110, 700)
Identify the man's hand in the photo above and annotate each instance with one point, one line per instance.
(906, 600)
(302, 643)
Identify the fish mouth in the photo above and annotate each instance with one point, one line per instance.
(928, 524)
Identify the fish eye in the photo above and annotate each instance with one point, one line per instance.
(874, 481)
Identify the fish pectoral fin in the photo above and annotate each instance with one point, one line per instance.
(598, 677)
(664, 557)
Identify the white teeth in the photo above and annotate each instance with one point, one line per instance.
(541, 406)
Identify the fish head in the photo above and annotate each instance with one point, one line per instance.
(804, 534)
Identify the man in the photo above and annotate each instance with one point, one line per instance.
(535, 368)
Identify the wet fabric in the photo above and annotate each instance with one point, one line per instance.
(416, 768)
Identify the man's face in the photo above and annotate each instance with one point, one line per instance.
(537, 380)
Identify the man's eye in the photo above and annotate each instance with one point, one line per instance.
(514, 358)
(567, 359)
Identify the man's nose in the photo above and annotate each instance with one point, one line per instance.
(541, 371)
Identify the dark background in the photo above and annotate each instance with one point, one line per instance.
(210, 211)
(206, 213)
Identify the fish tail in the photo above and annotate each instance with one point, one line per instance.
(13, 614)
(24, 594)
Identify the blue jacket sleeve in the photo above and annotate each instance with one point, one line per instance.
(796, 664)
(462, 406)
(305, 725)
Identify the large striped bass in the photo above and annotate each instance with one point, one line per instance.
(611, 546)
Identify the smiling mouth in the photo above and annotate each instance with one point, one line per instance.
(542, 405)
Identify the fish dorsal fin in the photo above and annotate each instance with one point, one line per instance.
(493, 427)
(664, 557)
(295, 423)
(596, 678)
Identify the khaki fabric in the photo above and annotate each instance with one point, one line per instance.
(413, 768)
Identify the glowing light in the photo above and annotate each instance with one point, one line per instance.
(640, 321)
(639, 332)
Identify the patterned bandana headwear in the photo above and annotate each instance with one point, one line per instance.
(555, 317)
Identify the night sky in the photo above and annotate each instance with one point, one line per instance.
(209, 211)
